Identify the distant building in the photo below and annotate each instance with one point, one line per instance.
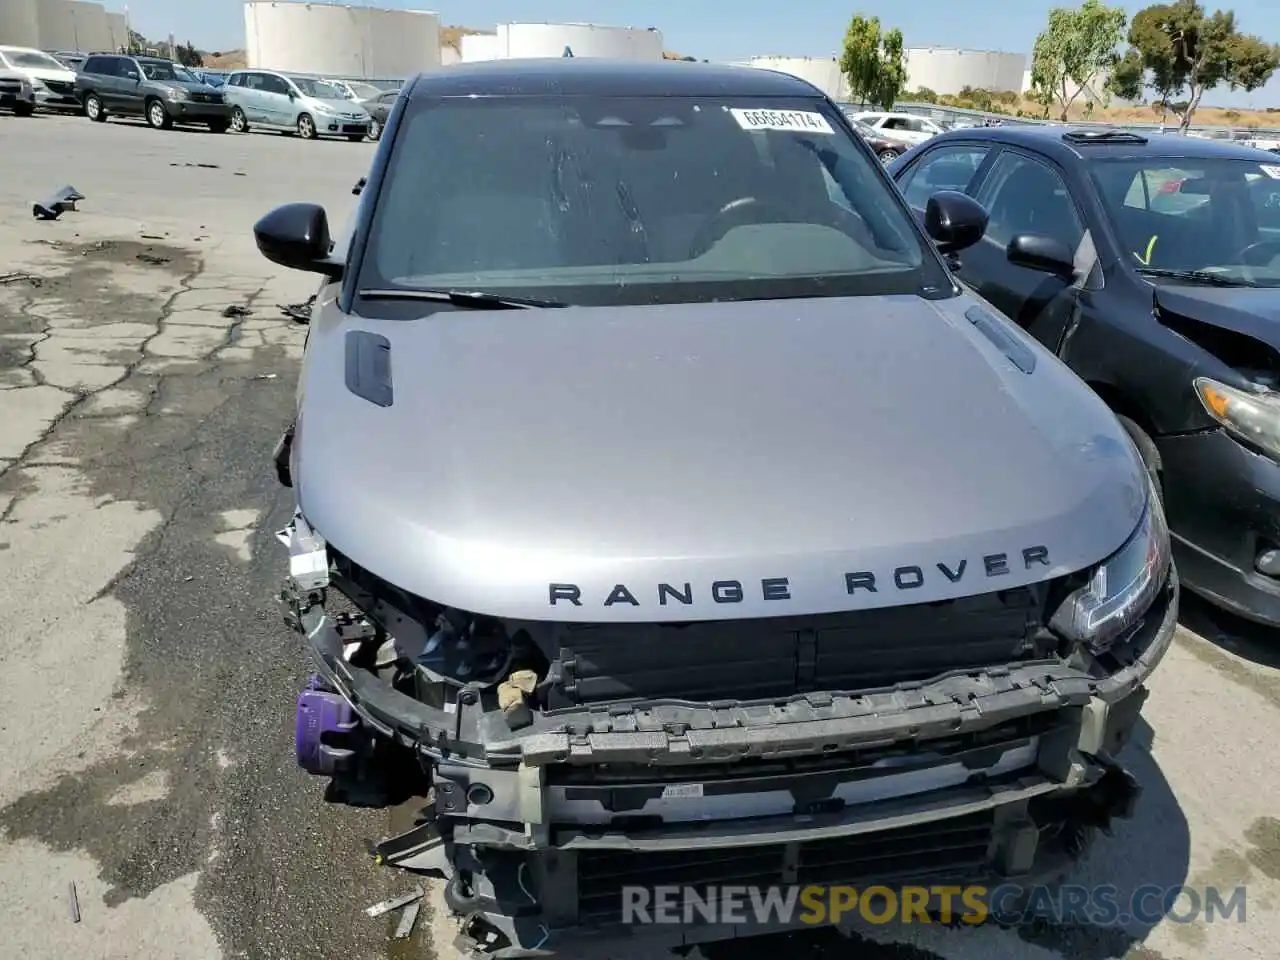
(70, 25)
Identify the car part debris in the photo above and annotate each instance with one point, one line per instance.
(395, 903)
(153, 259)
(407, 919)
(73, 902)
(56, 204)
(203, 166)
(15, 278)
(235, 310)
(300, 312)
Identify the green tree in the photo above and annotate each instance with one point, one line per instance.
(1073, 51)
(187, 55)
(1180, 52)
(873, 63)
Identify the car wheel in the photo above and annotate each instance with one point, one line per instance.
(158, 116)
(375, 129)
(94, 109)
(306, 127)
(1147, 450)
(888, 156)
(239, 122)
(23, 109)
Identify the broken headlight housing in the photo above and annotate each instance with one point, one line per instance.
(1253, 416)
(1123, 586)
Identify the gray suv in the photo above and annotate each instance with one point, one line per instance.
(160, 91)
(687, 521)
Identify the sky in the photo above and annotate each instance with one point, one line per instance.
(742, 29)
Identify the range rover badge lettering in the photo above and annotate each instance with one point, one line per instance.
(905, 578)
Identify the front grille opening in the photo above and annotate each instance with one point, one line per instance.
(781, 657)
(953, 849)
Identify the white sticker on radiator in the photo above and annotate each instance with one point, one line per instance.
(682, 791)
(795, 121)
(1271, 171)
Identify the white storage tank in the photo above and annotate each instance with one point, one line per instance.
(118, 28)
(340, 40)
(539, 40)
(73, 25)
(947, 70)
(479, 46)
(823, 72)
(20, 23)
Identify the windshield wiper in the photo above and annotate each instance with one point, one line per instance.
(1195, 276)
(462, 298)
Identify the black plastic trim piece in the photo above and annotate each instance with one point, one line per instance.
(1019, 354)
(368, 367)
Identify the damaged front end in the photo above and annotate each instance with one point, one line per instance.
(961, 741)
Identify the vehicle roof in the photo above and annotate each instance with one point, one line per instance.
(1048, 140)
(586, 76)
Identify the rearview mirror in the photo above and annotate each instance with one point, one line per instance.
(296, 236)
(132, 75)
(1045, 254)
(954, 220)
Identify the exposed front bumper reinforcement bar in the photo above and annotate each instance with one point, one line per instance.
(520, 827)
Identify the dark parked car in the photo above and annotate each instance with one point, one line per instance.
(697, 526)
(1151, 266)
(379, 108)
(160, 91)
(886, 148)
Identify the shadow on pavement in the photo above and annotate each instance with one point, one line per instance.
(1252, 641)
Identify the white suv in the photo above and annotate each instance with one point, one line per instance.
(53, 83)
(902, 126)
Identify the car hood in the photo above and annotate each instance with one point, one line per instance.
(48, 73)
(1252, 311)
(338, 105)
(781, 450)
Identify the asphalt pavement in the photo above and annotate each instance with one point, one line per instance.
(146, 371)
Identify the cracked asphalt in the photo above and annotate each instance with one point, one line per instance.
(148, 681)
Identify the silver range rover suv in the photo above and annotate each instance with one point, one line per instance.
(663, 498)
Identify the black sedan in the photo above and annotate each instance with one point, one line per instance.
(1151, 265)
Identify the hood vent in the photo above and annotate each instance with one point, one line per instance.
(368, 367)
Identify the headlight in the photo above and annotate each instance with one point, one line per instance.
(37, 84)
(1122, 588)
(177, 93)
(1254, 417)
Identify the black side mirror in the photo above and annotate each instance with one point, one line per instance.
(954, 220)
(1045, 254)
(296, 236)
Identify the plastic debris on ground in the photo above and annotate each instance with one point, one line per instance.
(395, 903)
(57, 203)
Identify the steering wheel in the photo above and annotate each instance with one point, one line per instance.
(746, 211)
(1259, 253)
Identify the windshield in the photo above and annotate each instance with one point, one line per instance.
(640, 200)
(1219, 216)
(32, 60)
(319, 89)
(364, 91)
(160, 70)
